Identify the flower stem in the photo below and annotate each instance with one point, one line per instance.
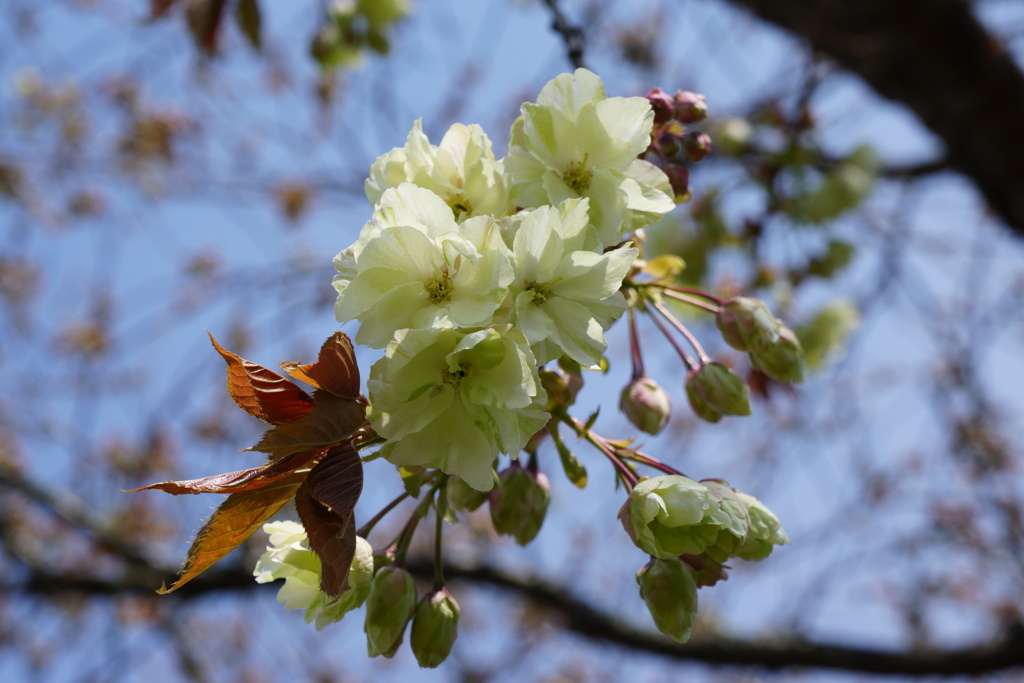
(365, 530)
(704, 358)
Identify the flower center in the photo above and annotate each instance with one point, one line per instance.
(439, 289)
(454, 379)
(540, 290)
(578, 177)
(459, 205)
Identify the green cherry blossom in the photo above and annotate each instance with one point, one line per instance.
(453, 399)
(461, 170)
(413, 266)
(574, 141)
(566, 294)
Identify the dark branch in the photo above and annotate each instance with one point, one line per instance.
(936, 58)
(579, 617)
(572, 36)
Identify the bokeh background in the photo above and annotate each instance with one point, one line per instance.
(163, 173)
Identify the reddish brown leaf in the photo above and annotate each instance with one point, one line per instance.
(239, 480)
(233, 522)
(332, 420)
(337, 481)
(331, 536)
(335, 369)
(263, 393)
(203, 18)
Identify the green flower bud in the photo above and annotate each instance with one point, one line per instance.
(747, 324)
(646, 405)
(434, 628)
(670, 515)
(519, 502)
(670, 592)
(462, 496)
(783, 361)
(389, 607)
(732, 522)
(765, 530)
(714, 390)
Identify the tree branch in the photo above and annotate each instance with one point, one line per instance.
(936, 58)
(577, 616)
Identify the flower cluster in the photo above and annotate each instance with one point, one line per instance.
(474, 271)
(691, 529)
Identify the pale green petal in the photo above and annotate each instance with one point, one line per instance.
(550, 137)
(576, 330)
(396, 309)
(535, 323)
(538, 246)
(607, 206)
(571, 92)
(615, 131)
(410, 205)
(595, 277)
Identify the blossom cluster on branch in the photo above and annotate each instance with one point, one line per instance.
(489, 284)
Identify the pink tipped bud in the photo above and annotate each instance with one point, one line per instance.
(662, 104)
(679, 178)
(689, 107)
(696, 146)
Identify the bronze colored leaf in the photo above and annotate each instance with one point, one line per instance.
(203, 19)
(263, 393)
(337, 481)
(335, 369)
(239, 480)
(331, 420)
(233, 522)
(331, 536)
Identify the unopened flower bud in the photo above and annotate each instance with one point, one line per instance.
(519, 502)
(765, 530)
(462, 496)
(714, 390)
(732, 521)
(669, 515)
(696, 146)
(662, 104)
(783, 361)
(679, 179)
(434, 628)
(389, 607)
(689, 107)
(646, 405)
(671, 145)
(746, 324)
(670, 592)
(556, 387)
